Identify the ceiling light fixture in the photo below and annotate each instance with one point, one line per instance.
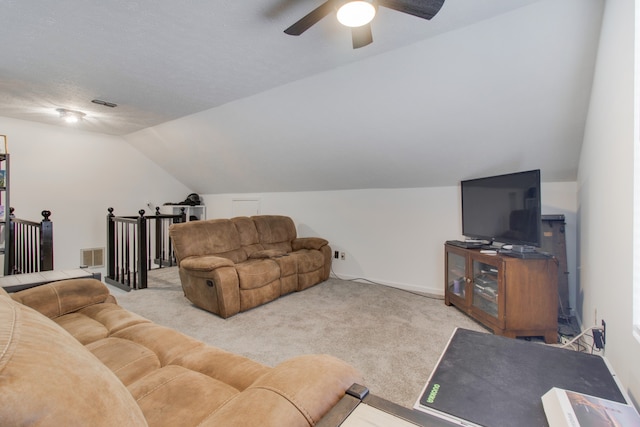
(356, 13)
(70, 116)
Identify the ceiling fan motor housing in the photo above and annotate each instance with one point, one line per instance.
(361, 33)
(357, 13)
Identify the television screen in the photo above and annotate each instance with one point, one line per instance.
(503, 208)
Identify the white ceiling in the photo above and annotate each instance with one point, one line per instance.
(163, 59)
(219, 96)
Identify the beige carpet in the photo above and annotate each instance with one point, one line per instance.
(393, 337)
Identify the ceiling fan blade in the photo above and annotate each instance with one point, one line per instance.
(425, 9)
(310, 19)
(279, 7)
(361, 36)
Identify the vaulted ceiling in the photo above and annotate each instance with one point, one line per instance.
(222, 99)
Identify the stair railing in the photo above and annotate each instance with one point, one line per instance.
(137, 244)
(30, 245)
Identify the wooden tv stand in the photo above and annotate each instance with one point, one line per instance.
(511, 296)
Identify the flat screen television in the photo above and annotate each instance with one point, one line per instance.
(503, 208)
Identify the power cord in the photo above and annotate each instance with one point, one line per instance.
(362, 279)
(579, 344)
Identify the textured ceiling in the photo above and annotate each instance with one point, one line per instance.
(217, 95)
(160, 60)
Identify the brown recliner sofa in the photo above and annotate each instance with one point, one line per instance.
(70, 356)
(231, 265)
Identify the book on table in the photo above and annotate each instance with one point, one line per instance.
(565, 408)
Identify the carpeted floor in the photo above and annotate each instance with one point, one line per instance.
(393, 337)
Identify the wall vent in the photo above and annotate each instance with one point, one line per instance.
(93, 257)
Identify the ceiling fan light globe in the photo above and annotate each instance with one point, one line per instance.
(356, 13)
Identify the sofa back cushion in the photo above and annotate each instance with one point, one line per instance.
(248, 234)
(275, 231)
(218, 237)
(49, 378)
(62, 297)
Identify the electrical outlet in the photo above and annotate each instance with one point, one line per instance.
(598, 339)
(336, 254)
(604, 332)
(342, 256)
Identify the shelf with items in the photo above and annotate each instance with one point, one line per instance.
(197, 212)
(511, 296)
(485, 288)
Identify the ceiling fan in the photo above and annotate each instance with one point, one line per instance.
(358, 15)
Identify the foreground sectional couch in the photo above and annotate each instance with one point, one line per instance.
(70, 356)
(231, 265)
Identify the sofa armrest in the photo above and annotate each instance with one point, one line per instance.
(65, 296)
(308, 243)
(297, 392)
(205, 263)
(217, 290)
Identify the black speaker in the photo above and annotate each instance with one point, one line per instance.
(554, 242)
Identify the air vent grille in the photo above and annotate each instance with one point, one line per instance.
(93, 257)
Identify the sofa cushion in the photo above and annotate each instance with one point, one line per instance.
(49, 378)
(97, 321)
(167, 344)
(82, 328)
(205, 262)
(236, 370)
(190, 395)
(129, 360)
(248, 234)
(210, 237)
(267, 253)
(275, 231)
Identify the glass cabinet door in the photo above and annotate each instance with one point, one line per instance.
(485, 287)
(456, 274)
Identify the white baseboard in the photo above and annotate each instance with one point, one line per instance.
(423, 290)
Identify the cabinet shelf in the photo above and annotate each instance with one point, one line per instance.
(511, 296)
(198, 212)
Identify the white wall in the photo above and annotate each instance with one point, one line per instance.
(390, 236)
(77, 176)
(605, 196)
